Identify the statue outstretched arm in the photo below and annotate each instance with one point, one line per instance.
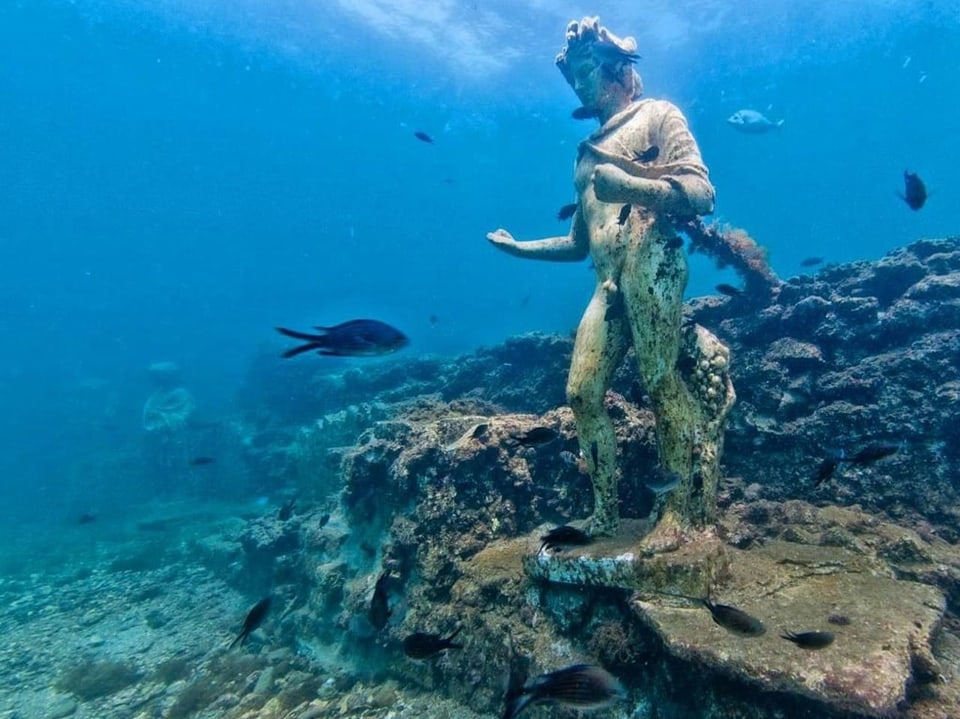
(566, 248)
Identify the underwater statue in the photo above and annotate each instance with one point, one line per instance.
(637, 177)
(170, 406)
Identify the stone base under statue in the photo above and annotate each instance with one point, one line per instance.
(843, 572)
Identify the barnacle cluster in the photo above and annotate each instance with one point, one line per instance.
(708, 374)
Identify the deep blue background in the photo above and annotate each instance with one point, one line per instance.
(174, 182)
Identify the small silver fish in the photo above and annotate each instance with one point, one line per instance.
(663, 481)
(753, 122)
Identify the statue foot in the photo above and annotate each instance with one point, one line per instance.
(667, 536)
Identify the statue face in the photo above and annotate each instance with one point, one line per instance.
(602, 85)
(599, 65)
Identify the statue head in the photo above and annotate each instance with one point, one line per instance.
(599, 66)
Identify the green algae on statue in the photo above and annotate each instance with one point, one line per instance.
(627, 204)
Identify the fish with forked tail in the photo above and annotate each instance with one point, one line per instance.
(752, 122)
(809, 640)
(423, 645)
(356, 338)
(254, 619)
(533, 437)
(580, 686)
(736, 621)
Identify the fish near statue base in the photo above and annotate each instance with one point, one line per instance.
(827, 610)
(625, 562)
(879, 627)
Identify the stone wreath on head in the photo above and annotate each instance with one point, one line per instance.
(589, 41)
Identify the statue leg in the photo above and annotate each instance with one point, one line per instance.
(597, 352)
(653, 280)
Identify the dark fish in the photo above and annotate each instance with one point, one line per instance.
(840, 620)
(595, 454)
(286, 509)
(423, 137)
(581, 686)
(811, 261)
(874, 451)
(379, 611)
(87, 518)
(674, 243)
(825, 471)
(729, 290)
(564, 536)
(421, 645)
(201, 461)
(624, 214)
(736, 621)
(535, 436)
(648, 155)
(584, 113)
(809, 640)
(356, 338)
(254, 619)
(915, 192)
(433, 319)
(566, 212)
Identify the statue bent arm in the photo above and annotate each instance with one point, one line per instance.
(680, 186)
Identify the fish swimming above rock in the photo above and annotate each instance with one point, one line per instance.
(379, 610)
(356, 338)
(873, 452)
(736, 621)
(914, 191)
(580, 686)
(811, 261)
(254, 619)
(286, 509)
(825, 470)
(567, 211)
(564, 536)
(663, 481)
(809, 640)
(729, 290)
(533, 437)
(423, 645)
(423, 137)
(752, 122)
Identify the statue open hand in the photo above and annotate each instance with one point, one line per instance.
(501, 239)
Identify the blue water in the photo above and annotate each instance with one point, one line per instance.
(177, 178)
